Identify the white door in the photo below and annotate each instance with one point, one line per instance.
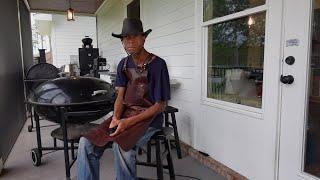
(299, 146)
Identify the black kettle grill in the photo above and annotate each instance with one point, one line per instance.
(74, 94)
(69, 101)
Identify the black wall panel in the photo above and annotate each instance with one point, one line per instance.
(26, 33)
(12, 111)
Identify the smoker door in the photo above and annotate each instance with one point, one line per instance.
(86, 56)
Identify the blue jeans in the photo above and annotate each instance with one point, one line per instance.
(88, 157)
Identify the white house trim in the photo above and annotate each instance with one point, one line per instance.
(229, 106)
(236, 15)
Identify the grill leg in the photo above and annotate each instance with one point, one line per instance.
(65, 142)
(31, 118)
(36, 117)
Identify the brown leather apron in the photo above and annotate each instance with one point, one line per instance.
(136, 100)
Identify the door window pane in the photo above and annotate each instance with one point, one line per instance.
(235, 60)
(312, 145)
(218, 8)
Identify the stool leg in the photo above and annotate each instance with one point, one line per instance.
(54, 142)
(72, 150)
(176, 136)
(149, 152)
(166, 119)
(159, 162)
(169, 160)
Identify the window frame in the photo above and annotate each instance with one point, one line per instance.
(225, 105)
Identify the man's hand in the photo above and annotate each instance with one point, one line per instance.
(122, 125)
(114, 122)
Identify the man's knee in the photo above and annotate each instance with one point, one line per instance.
(84, 144)
(124, 154)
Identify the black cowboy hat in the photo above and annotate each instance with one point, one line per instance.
(131, 26)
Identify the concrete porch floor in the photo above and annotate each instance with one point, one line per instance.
(19, 165)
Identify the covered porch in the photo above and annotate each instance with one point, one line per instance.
(16, 155)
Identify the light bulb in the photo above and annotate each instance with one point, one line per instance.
(250, 21)
(70, 14)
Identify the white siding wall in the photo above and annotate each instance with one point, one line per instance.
(67, 35)
(109, 19)
(244, 143)
(173, 39)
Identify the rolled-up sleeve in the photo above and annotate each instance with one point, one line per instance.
(121, 79)
(162, 85)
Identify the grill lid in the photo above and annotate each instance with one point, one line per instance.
(68, 91)
(42, 71)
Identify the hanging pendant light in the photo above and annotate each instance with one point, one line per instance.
(70, 13)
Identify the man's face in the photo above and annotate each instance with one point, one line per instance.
(133, 43)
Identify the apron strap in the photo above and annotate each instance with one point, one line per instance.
(149, 59)
(124, 67)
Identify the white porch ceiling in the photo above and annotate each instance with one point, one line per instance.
(80, 6)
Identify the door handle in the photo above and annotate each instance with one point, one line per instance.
(287, 79)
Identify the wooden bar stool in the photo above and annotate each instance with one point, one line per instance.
(158, 138)
(172, 110)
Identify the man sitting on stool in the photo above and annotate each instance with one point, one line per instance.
(143, 91)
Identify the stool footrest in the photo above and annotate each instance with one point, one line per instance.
(163, 134)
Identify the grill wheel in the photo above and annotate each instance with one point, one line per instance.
(36, 157)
